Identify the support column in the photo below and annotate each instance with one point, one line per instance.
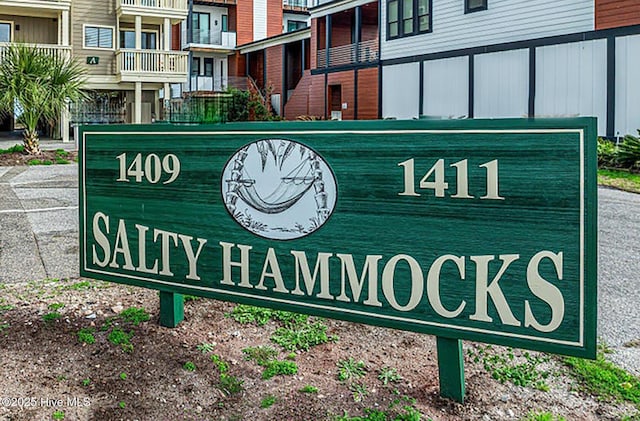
(138, 31)
(167, 35)
(358, 32)
(137, 108)
(327, 39)
(64, 28)
(64, 123)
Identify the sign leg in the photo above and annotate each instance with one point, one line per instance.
(451, 368)
(171, 309)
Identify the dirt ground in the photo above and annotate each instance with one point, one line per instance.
(47, 373)
(48, 158)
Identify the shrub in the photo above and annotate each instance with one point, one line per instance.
(607, 153)
(629, 151)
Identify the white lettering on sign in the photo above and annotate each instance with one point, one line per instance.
(105, 253)
(435, 179)
(152, 169)
(487, 288)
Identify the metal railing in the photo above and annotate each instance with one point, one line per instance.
(53, 50)
(151, 61)
(157, 4)
(197, 109)
(210, 37)
(207, 83)
(296, 4)
(364, 52)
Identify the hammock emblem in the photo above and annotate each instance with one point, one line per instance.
(270, 184)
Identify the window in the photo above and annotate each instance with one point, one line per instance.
(201, 27)
(98, 37)
(5, 31)
(208, 66)
(475, 5)
(225, 23)
(195, 66)
(294, 25)
(128, 40)
(408, 17)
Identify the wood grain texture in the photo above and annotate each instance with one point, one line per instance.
(617, 13)
(547, 177)
(368, 94)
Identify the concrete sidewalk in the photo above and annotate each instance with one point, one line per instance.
(9, 139)
(38, 222)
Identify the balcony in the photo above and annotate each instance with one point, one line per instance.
(207, 83)
(151, 66)
(53, 50)
(210, 39)
(38, 8)
(176, 10)
(342, 55)
(296, 5)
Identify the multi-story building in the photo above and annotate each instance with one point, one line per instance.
(125, 46)
(45, 24)
(329, 70)
(216, 27)
(509, 58)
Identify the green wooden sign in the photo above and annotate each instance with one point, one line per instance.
(92, 60)
(481, 229)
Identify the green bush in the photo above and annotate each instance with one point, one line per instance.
(238, 105)
(629, 152)
(607, 153)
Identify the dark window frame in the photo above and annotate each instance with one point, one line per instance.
(481, 7)
(415, 19)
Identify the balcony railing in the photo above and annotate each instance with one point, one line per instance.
(154, 7)
(209, 37)
(53, 50)
(296, 4)
(214, 84)
(364, 52)
(151, 62)
(207, 83)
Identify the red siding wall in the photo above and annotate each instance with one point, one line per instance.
(314, 43)
(317, 95)
(346, 81)
(368, 94)
(244, 23)
(298, 104)
(616, 13)
(274, 17)
(274, 71)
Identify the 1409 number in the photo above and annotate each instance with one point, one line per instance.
(151, 168)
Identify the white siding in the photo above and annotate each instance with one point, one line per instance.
(259, 19)
(400, 91)
(571, 80)
(501, 84)
(627, 85)
(446, 87)
(215, 13)
(503, 21)
(286, 17)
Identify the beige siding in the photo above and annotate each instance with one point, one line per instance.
(91, 12)
(33, 30)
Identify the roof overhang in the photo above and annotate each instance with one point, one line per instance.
(336, 6)
(281, 39)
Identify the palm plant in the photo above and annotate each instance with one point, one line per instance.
(37, 86)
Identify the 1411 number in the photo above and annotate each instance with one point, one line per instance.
(439, 185)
